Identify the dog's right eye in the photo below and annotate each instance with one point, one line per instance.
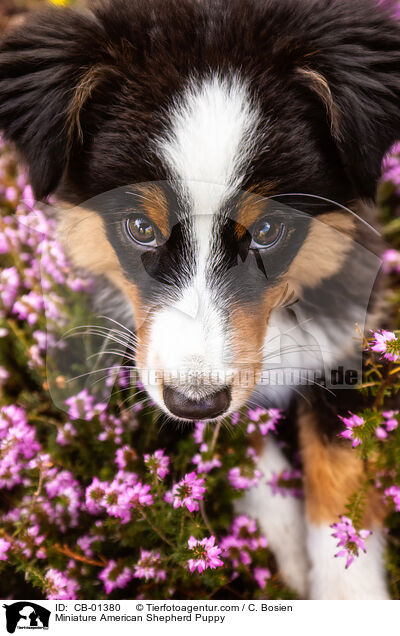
(141, 230)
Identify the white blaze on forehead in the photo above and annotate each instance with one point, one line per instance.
(211, 137)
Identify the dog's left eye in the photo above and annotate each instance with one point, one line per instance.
(266, 233)
(141, 230)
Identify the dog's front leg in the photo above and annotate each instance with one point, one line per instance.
(332, 472)
(280, 518)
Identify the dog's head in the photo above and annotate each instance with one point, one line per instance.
(178, 124)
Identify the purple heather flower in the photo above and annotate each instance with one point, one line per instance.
(394, 493)
(29, 307)
(82, 406)
(352, 423)
(9, 285)
(205, 554)
(187, 492)
(62, 484)
(391, 259)
(261, 575)
(60, 586)
(148, 566)
(391, 422)
(124, 494)
(235, 417)
(391, 162)
(124, 455)
(65, 433)
(94, 496)
(350, 539)
(4, 547)
(115, 576)
(199, 431)
(205, 463)
(244, 481)
(243, 539)
(157, 463)
(386, 343)
(266, 420)
(17, 444)
(288, 482)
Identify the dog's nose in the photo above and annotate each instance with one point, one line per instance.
(204, 408)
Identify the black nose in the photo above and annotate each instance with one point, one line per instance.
(203, 409)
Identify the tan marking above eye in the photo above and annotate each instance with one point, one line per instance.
(324, 250)
(252, 205)
(154, 204)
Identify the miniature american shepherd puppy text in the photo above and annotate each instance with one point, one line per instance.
(216, 162)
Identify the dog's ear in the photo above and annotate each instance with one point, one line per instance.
(48, 68)
(353, 65)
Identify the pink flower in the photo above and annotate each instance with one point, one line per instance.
(205, 554)
(244, 480)
(124, 455)
(94, 496)
(157, 463)
(60, 586)
(148, 566)
(244, 539)
(386, 343)
(115, 576)
(235, 417)
(4, 546)
(288, 482)
(199, 431)
(265, 418)
(394, 493)
(187, 492)
(391, 260)
(261, 575)
(388, 424)
(82, 406)
(350, 539)
(352, 422)
(204, 462)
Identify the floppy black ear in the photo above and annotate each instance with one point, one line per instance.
(43, 66)
(353, 63)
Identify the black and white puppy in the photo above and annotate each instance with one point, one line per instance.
(202, 117)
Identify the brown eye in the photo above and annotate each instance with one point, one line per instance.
(266, 234)
(141, 230)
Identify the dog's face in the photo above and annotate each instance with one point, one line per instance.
(174, 131)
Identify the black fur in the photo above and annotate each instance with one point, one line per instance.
(142, 53)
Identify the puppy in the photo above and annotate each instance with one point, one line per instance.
(209, 155)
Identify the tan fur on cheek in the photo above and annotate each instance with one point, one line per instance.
(84, 239)
(332, 473)
(323, 252)
(83, 236)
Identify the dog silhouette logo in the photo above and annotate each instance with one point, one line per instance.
(26, 615)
